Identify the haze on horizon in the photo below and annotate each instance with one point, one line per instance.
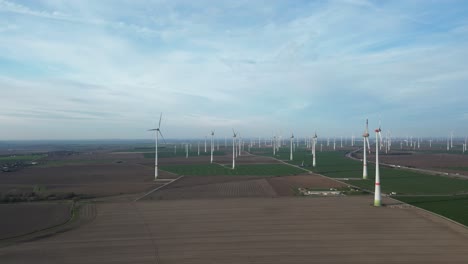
(106, 69)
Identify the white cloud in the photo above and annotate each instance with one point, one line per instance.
(239, 64)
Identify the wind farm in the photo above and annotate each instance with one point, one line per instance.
(233, 132)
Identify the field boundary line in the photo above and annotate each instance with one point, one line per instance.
(157, 188)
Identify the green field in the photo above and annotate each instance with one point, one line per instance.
(453, 207)
(334, 164)
(215, 169)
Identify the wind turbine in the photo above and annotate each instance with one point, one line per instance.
(274, 145)
(291, 153)
(212, 146)
(314, 142)
(377, 195)
(233, 149)
(158, 132)
(364, 158)
(205, 144)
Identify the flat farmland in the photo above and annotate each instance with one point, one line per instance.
(250, 169)
(252, 230)
(203, 187)
(91, 179)
(222, 159)
(23, 218)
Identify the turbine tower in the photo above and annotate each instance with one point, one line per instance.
(205, 144)
(158, 132)
(291, 153)
(233, 149)
(364, 158)
(314, 142)
(212, 146)
(377, 195)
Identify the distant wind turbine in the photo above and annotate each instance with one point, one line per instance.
(314, 143)
(233, 149)
(364, 158)
(212, 146)
(291, 153)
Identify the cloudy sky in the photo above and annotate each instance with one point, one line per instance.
(106, 69)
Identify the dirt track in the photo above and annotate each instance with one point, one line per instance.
(252, 230)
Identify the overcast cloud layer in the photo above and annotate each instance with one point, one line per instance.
(106, 69)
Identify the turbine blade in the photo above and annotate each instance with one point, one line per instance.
(160, 117)
(154, 129)
(162, 136)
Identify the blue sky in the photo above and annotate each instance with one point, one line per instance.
(106, 69)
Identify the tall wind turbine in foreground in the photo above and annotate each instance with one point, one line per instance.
(233, 149)
(158, 132)
(364, 158)
(377, 195)
(212, 146)
(291, 153)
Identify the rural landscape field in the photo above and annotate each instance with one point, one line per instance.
(304, 131)
(88, 194)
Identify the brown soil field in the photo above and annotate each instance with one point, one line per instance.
(202, 187)
(286, 185)
(252, 230)
(91, 179)
(245, 188)
(441, 161)
(23, 218)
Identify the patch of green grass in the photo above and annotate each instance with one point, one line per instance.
(453, 207)
(215, 169)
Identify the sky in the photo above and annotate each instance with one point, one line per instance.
(82, 69)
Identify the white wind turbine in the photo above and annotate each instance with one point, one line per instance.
(291, 153)
(377, 194)
(158, 132)
(314, 143)
(364, 158)
(233, 149)
(212, 146)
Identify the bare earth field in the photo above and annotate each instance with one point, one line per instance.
(23, 218)
(217, 219)
(252, 230)
(197, 187)
(91, 179)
